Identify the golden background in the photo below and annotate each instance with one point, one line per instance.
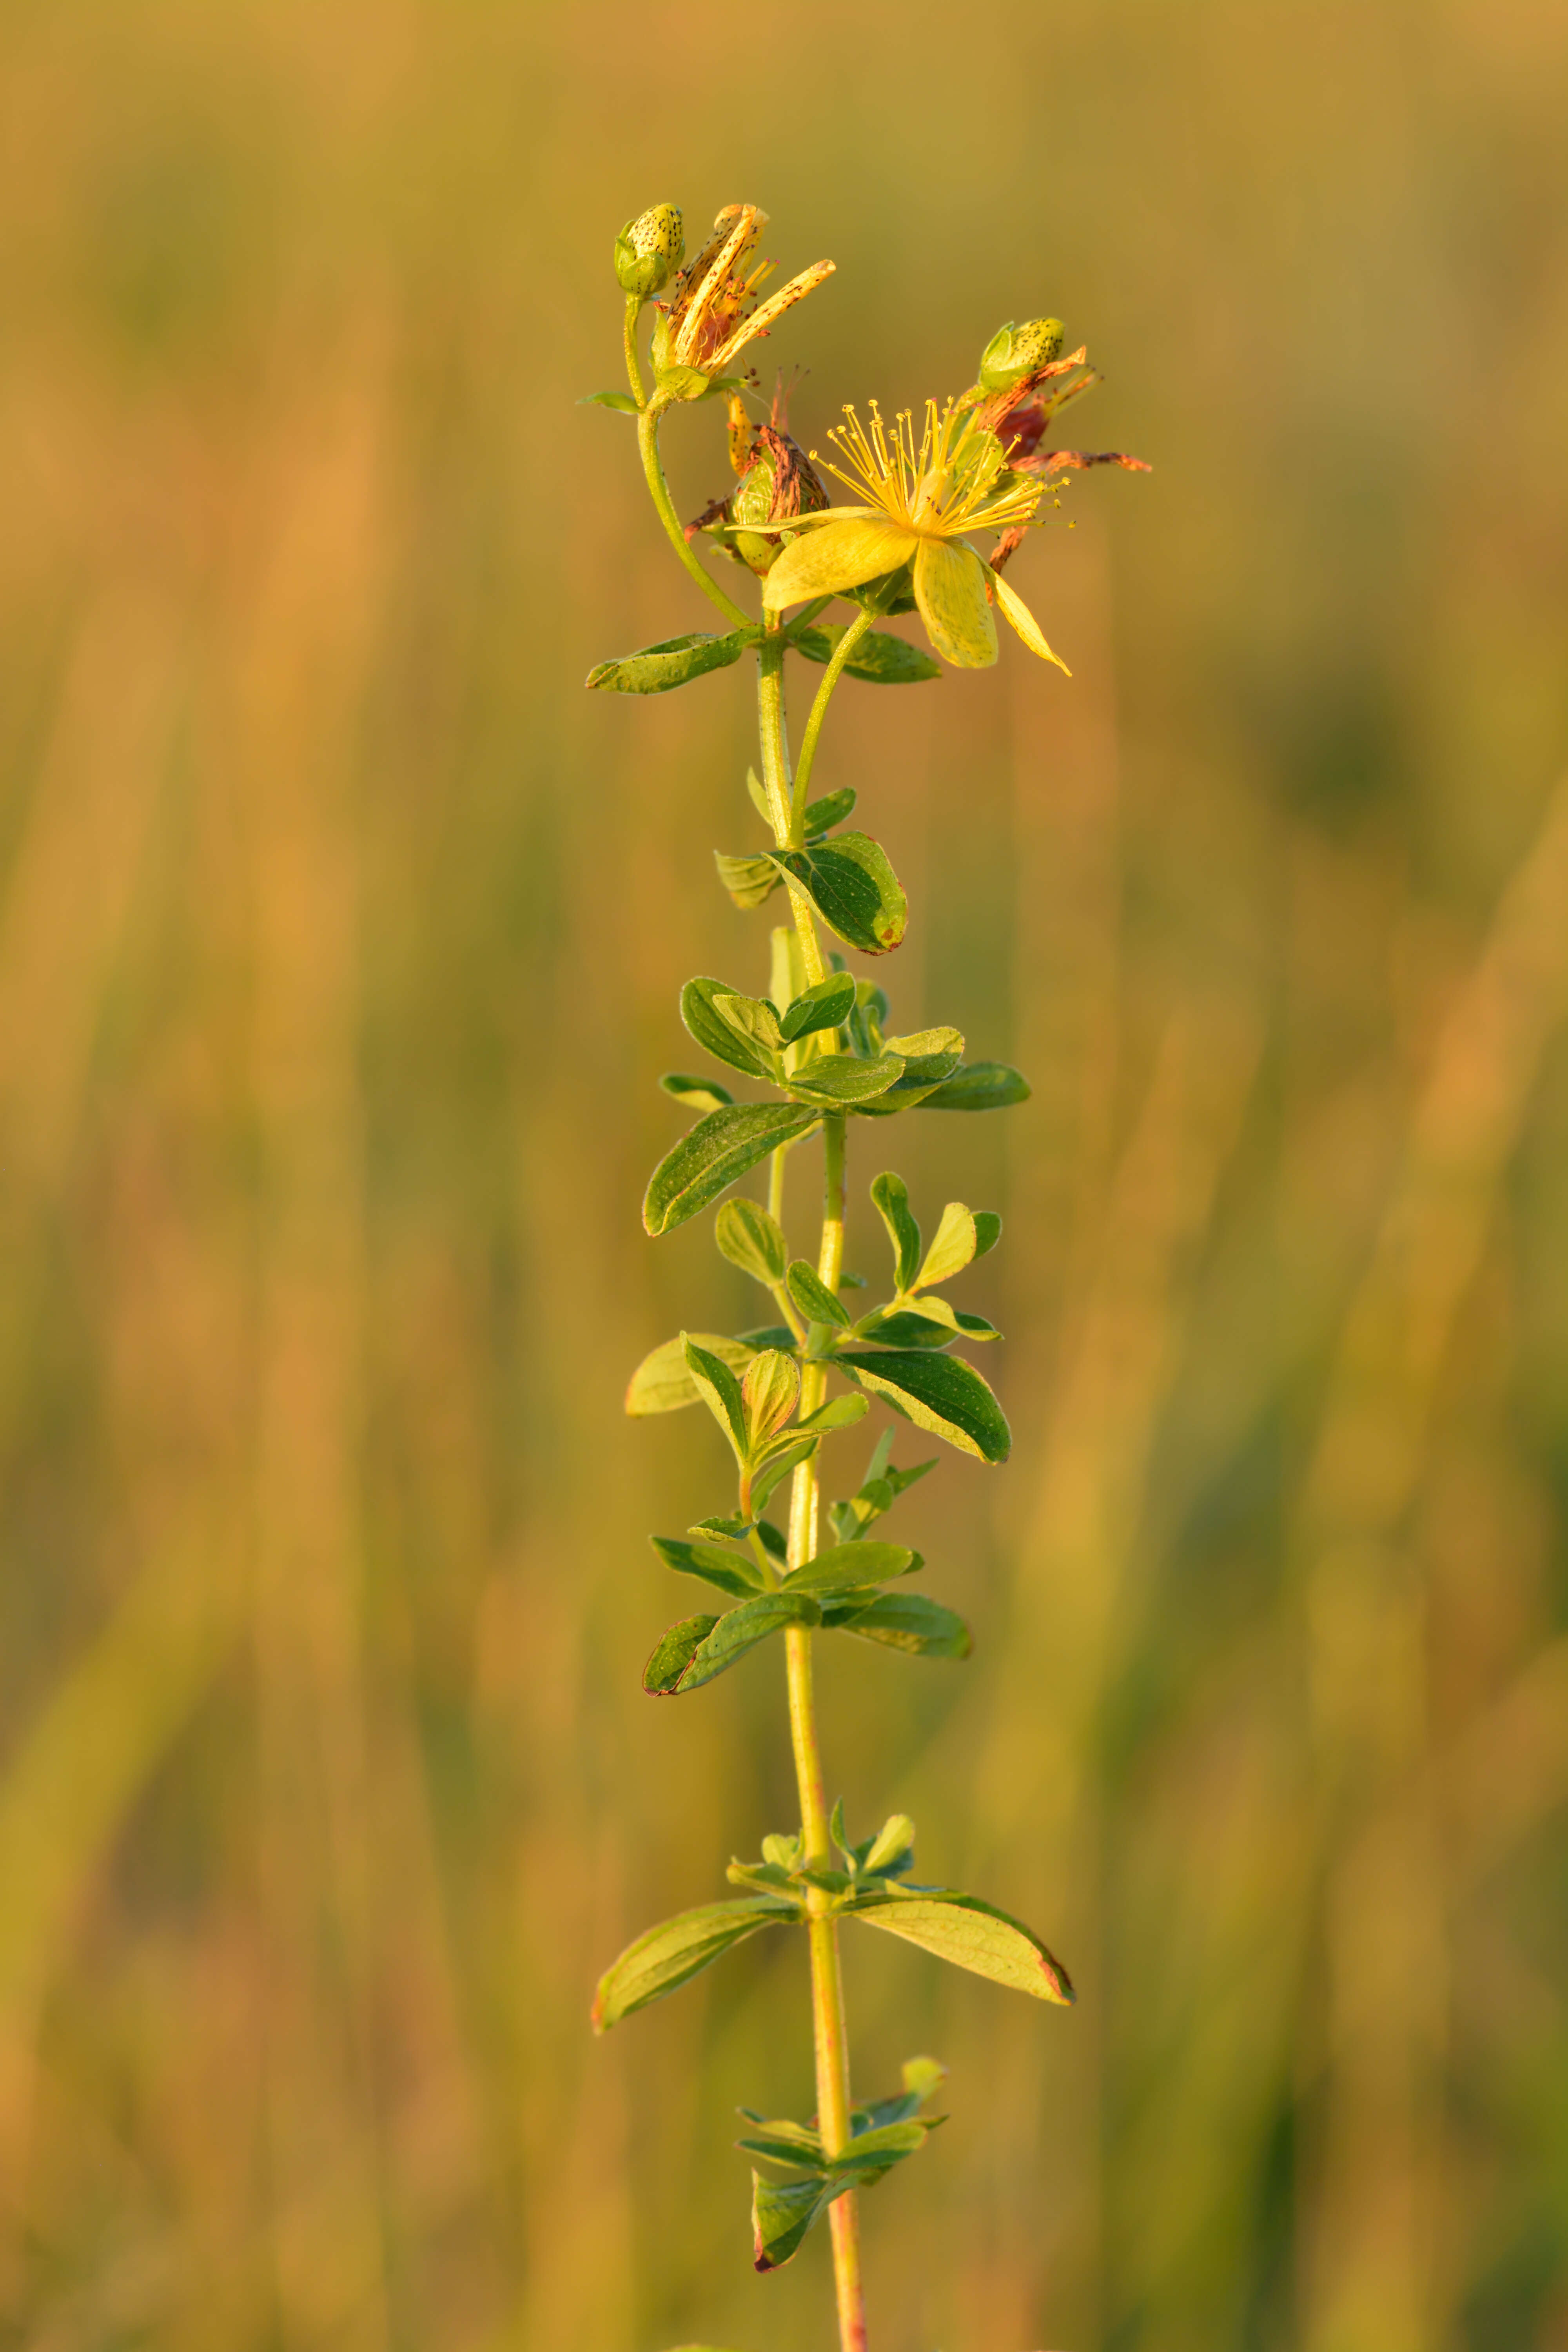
(340, 940)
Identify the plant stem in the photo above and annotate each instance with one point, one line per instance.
(776, 782)
(829, 2031)
(829, 2026)
(658, 489)
(629, 339)
(842, 651)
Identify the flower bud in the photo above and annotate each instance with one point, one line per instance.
(1015, 352)
(649, 251)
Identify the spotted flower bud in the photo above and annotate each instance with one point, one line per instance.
(649, 251)
(1015, 352)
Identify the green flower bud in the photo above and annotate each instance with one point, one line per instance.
(1015, 352)
(649, 251)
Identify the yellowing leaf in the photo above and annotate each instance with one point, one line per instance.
(950, 588)
(838, 556)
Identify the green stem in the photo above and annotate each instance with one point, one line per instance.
(629, 339)
(658, 489)
(829, 2031)
(777, 784)
(841, 653)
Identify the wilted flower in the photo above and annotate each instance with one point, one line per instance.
(1018, 407)
(707, 322)
(921, 501)
(778, 484)
(649, 250)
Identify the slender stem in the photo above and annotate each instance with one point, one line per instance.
(841, 653)
(629, 339)
(829, 2030)
(658, 489)
(776, 1185)
(776, 782)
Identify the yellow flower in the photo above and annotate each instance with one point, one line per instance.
(706, 322)
(921, 499)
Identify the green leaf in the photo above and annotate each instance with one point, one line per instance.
(752, 1017)
(821, 816)
(782, 2214)
(671, 1953)
(673, 1653)
(878, 1491)
(929, 1055)
(783, 2142)
(777, 1468)
(980, 1085)
(682, 382)
(902, 1328)
(838, 1413)
(952, 1250)
(749, 880)
(891, 1198)
(876, 2150)
(846, 1565)
(674, 661)
(854, 890)
(662, 1382)
(768, 1335)
(988, 1231)
(822, 1006)
(752, 1240)
(908, 1621)
(700, 1649)
(814, 1299)
(705, 1009)
(973, 1935)
(954, 1320)
(733, 1572)
(879, 658)
(891, 1843)
(769, 1388)
(717, 1150)
(696, 1094)
(721, 1391)
(939, 1394)
(618, 400)
(845, 1079)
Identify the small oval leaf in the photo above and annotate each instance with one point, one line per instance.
(719, 1148)
(941, 1394)
(674, 661)
(854, 890)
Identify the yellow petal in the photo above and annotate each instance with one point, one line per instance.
(740, 237)
(766, 312)
(950, 588)
(842, 554)
(1023, 621)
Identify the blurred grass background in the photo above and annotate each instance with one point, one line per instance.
(340, 938)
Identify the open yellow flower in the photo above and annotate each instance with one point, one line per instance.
(921, 498)
(706, 322)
